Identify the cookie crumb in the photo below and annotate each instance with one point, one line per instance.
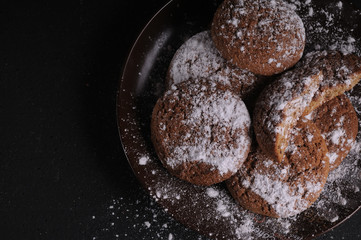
(143, 160)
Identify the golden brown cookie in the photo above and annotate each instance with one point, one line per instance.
(199, 58)
(264, 37)
(274, 189)
(279, 107)
(338, 123)
(320, 77)
(200, 131)
(340, 74)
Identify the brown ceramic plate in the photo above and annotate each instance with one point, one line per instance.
(211, 210)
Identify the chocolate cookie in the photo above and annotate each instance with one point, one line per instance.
(264, 37)
(199, 58)
(200, 131)
(338, 123)
(274, 189)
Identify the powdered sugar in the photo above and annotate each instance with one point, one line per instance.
(211, 192)
(324, 22)
(199, 58)
(223, 209)
(273, 25)
(337, 135)
(143, 160)
(332, 157)
(279, 195)
(222, 114)
(279, 108)
(241, 224)
(270, 182)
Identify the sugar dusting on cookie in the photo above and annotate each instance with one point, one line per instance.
(200, 131)
(277, 34)
(279, 107)
(199, 58)
(338, 123)
(223, 112)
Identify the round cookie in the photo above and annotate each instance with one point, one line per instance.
(200, 131)
(265, 37)
(338, 123)
(274, 189)
(199, 58)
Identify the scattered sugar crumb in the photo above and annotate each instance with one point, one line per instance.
(212, 192)
(147, 224)
(334, 219)
(143, 160)
(222, 208)
(339, 4)
(310, 12)
(245, 227)
(170, 236)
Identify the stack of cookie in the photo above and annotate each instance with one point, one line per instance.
(275, 163)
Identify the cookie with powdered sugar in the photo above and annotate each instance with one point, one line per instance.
(279, 190)
(340, 74)
(199, 58)
(338, 123)
(200, 131)
(279, 107)
(265, 37)
(318, 78)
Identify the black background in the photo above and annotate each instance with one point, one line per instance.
(63, 174)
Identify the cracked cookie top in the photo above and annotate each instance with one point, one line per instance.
(199, 58)
(265, 37)
(200, 131)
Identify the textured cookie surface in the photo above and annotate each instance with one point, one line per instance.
(340, 74)
(338, 123)
(275, 189)
(200, 131)
(279, 107)
(265, 37)
(318, 78)
(199, 58)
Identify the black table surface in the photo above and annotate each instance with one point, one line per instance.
(63, 173)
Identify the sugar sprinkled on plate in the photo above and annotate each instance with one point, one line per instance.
(243, 223)
(211, 192)
(143, 160)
